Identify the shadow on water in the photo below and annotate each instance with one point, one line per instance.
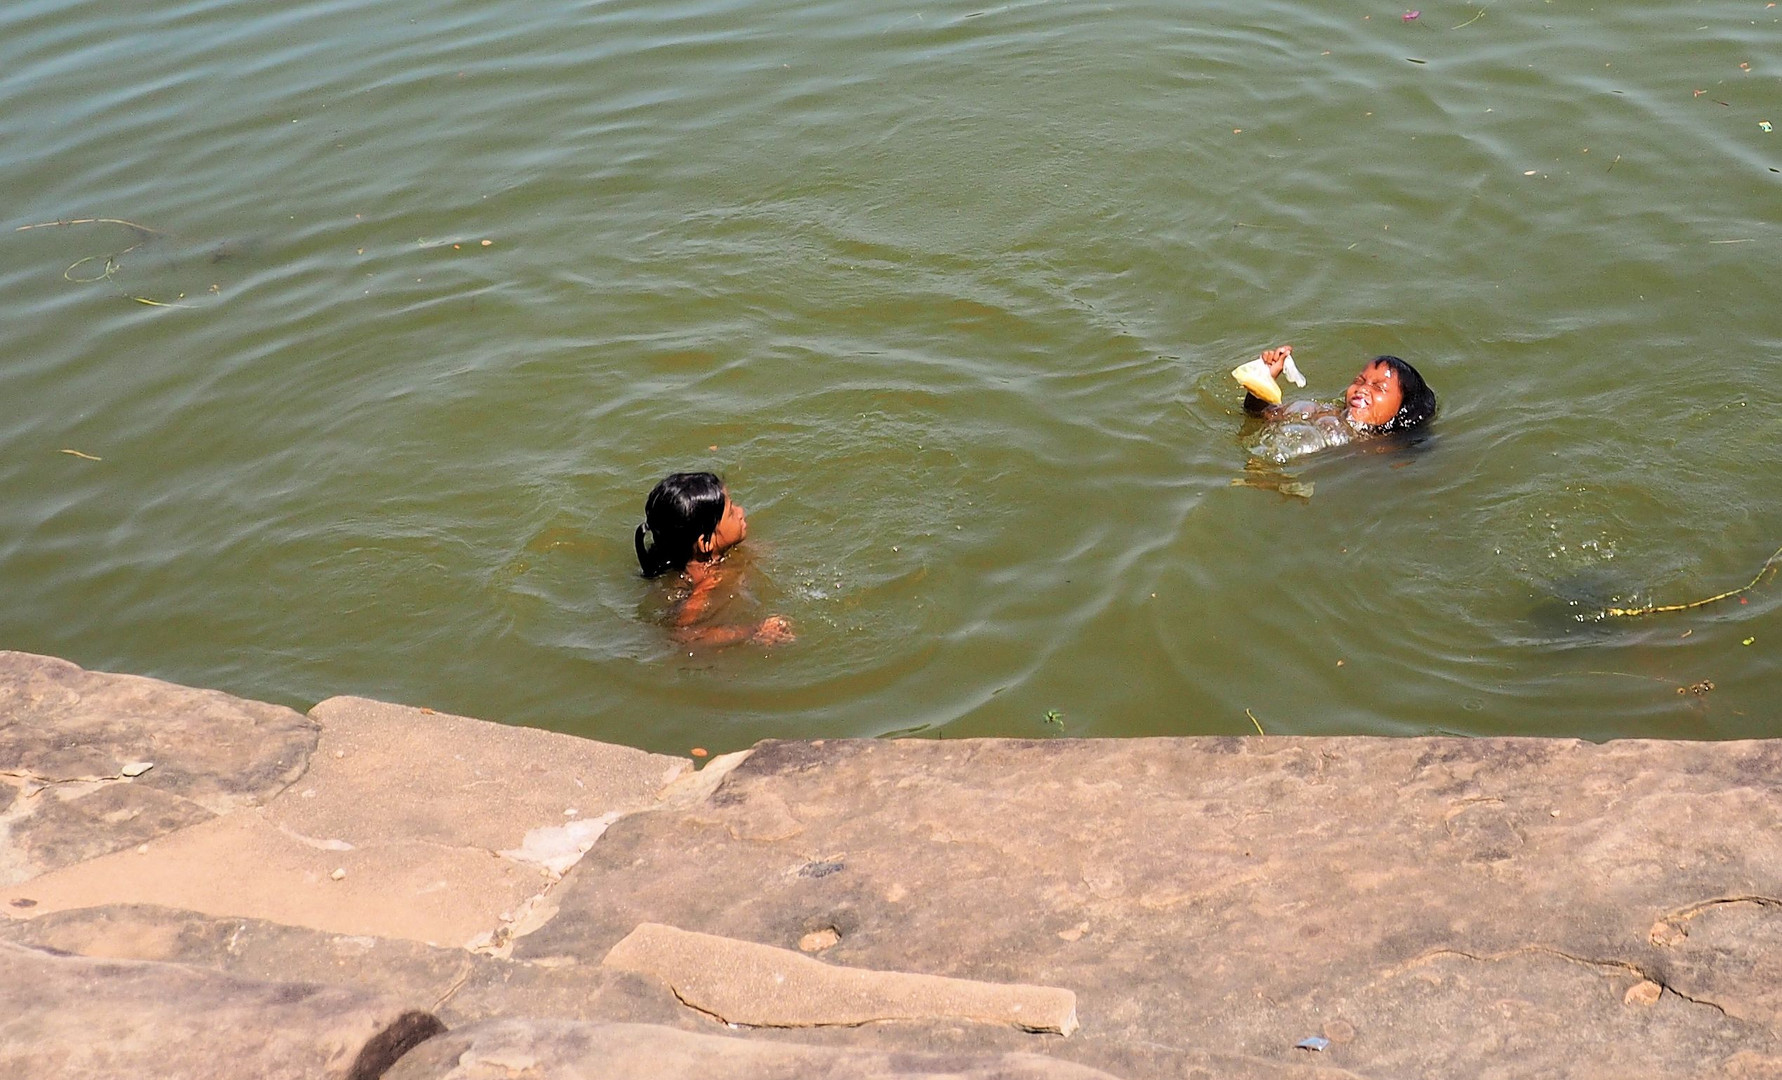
(1573, 611)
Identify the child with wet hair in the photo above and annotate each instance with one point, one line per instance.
(1388, 397)
(690, 521)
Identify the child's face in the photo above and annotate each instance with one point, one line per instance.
(1375, 396)
(732, 527)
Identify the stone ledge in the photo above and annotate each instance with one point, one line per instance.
(363, 818)
(67, 735)
(386, 773)
(1424, 907)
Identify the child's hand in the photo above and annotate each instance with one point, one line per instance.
(1276, 359)
(774, 630)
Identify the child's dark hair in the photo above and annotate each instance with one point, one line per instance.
(680, 511)
(1419, 402)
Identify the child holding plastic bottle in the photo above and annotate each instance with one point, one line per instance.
(1387, 396)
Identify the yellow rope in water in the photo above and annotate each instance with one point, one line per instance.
(90, 221)
(111, 261)
(1653, 609)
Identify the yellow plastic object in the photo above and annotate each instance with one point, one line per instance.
(1256, 378)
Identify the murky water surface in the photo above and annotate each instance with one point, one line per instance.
(419, 299)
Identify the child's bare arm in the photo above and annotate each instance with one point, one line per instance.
(773, 630)
(693, 608)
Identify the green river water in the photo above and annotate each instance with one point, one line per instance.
(426, 296)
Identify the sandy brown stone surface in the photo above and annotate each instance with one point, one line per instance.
(744, 984)
(1432, 907)
(72, 1016)
(580, 1050)
(1256, 907)
(67, 735)
(406, 823)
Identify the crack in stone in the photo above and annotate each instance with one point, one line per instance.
(1585, 961)
(1690, 911)
(45, 782)
(703, 1011)
(464, 973)
(676, 991)
(1549, 950)
(1716, 1006)
(793, 1026)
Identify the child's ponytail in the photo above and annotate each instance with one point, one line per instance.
(648, 556)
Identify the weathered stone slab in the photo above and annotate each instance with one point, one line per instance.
(59, 722)
(251, 949)
(240, 864)
(391, 774)
(92, 763)
(1424, 904)
(572, 1050)
(1453, 1013)
(457, 986)
(1727, 950)
(76, 822)
(408, 823)
(87, 1019)
(1425, 907)
(740, 982)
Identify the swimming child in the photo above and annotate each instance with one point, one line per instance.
(1387, 396)
(691, 521)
